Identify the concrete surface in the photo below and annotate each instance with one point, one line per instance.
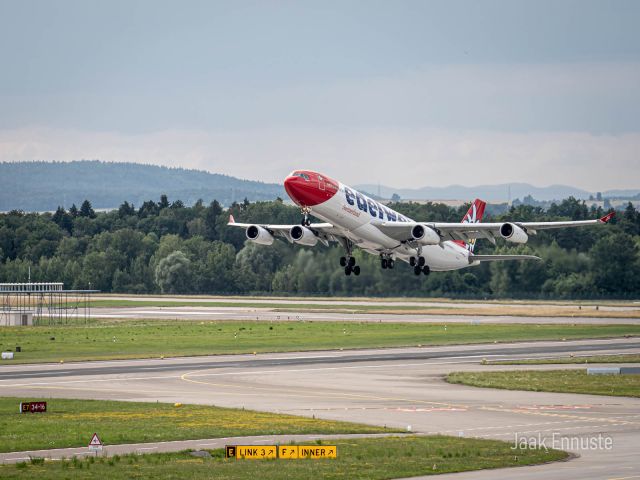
(267, 314)
(606, 305)
(394, 387)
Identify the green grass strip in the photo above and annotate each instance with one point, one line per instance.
(564, 381)
(631, 358)
(103, 340)
(370, 459)
(71, 423)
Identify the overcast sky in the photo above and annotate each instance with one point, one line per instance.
(405, 93)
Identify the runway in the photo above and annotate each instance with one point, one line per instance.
(489, 351)
(400, 388)
(351, 310)
(271, 314)
(606, 305)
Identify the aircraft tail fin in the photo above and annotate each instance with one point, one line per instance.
(473, 215)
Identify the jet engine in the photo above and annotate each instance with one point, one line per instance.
(303, 236)
(425, 235)
(259, 235)
(513, 233)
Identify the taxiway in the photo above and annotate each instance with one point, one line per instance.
(401, 388)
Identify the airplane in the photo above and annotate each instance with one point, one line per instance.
(354, 220)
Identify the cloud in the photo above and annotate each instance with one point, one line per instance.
(402, 157)
(593, 97)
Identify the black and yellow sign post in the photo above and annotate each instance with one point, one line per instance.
(262, 452)
(288, 451)
(251, 452)
(317, 451)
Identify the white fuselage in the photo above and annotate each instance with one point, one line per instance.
(357, 215)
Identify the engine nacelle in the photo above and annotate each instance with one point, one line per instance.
(513, 233)
(425, 235)
(303, 236)
(259, 235)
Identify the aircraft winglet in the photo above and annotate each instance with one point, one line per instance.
(231, 219)
(607, 217)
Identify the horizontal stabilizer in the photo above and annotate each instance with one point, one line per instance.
(498, 258)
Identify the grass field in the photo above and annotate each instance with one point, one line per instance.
(379, 458)
(630, 358)
(565, 381)
(110, 339)
(71, 423)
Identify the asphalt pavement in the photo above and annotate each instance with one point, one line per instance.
(401, 388)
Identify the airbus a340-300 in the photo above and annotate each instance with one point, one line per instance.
(355, 220)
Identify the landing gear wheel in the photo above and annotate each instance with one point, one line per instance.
(426, 270)
(384, 263)
(305, 220)
(356, 270)
(412, 261)
(352, 262)
(391, 263)
(343, 261)
(417, 270)
(421, 261)
(347, 270)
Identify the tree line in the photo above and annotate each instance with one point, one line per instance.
(167, 247)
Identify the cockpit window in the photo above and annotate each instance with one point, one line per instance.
(301, 175)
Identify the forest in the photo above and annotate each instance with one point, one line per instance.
(167, 247)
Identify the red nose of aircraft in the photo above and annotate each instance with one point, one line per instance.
(309, 188)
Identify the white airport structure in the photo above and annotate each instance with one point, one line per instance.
(16, 319)
(42, 303)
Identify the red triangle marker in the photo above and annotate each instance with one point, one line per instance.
(95, 441)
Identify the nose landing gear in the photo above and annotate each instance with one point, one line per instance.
(305, 221)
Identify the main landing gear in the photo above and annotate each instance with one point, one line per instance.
(349, 264)
(419, 266)
(387, 262)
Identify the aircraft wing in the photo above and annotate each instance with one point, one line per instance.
(281, 228)
(324, 231)
(467, 231)
(401, 231)
(498, 258)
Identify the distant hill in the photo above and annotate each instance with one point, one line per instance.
(42, 186)
(493, 193)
